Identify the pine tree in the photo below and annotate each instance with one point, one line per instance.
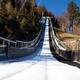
(43, 10)
(73, 10)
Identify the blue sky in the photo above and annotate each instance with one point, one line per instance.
(57, 6)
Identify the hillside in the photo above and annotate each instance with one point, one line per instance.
(20, 24)
(66, 37)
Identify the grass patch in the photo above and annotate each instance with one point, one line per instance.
(67, 37)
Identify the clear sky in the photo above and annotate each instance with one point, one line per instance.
(57, 6)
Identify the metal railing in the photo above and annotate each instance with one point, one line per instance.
(72, 45)
(20, 44)
(6, 42)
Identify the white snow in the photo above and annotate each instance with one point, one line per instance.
(40, 65)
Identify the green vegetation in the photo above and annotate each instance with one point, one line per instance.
(69, 18)
(21, 25)
(73, 10)
(67, 37)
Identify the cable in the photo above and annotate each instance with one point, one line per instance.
(24, 3)
(22, 6)
(39, 2)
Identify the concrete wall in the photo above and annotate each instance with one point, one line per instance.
(69, 55)
(17, 52)
(21, 52)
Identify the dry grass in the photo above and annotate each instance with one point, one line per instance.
(67, 37)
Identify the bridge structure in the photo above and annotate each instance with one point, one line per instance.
(35, 60)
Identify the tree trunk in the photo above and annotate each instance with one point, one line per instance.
(71, 24)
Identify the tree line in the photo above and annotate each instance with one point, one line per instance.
(70, 17)
(23, 25)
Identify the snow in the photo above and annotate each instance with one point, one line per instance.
(40, 65)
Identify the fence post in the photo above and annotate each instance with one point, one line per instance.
(15, 44)
(12, 44)
(8, 44)
(3, 42)
(79, 44)
(73, 47)
(76, 46)
(69, 45)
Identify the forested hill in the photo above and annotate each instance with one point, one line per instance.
(20, 25)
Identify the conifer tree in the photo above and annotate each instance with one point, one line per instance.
(73, 10)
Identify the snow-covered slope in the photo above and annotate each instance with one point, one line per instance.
(40, 65)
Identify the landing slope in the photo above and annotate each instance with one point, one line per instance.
(41, 65)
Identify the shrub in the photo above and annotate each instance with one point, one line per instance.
(9, 30)
(22, 24)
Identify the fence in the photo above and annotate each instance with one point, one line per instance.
(20, 44)
(72, 45)
(15, 49)
(67, 50)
